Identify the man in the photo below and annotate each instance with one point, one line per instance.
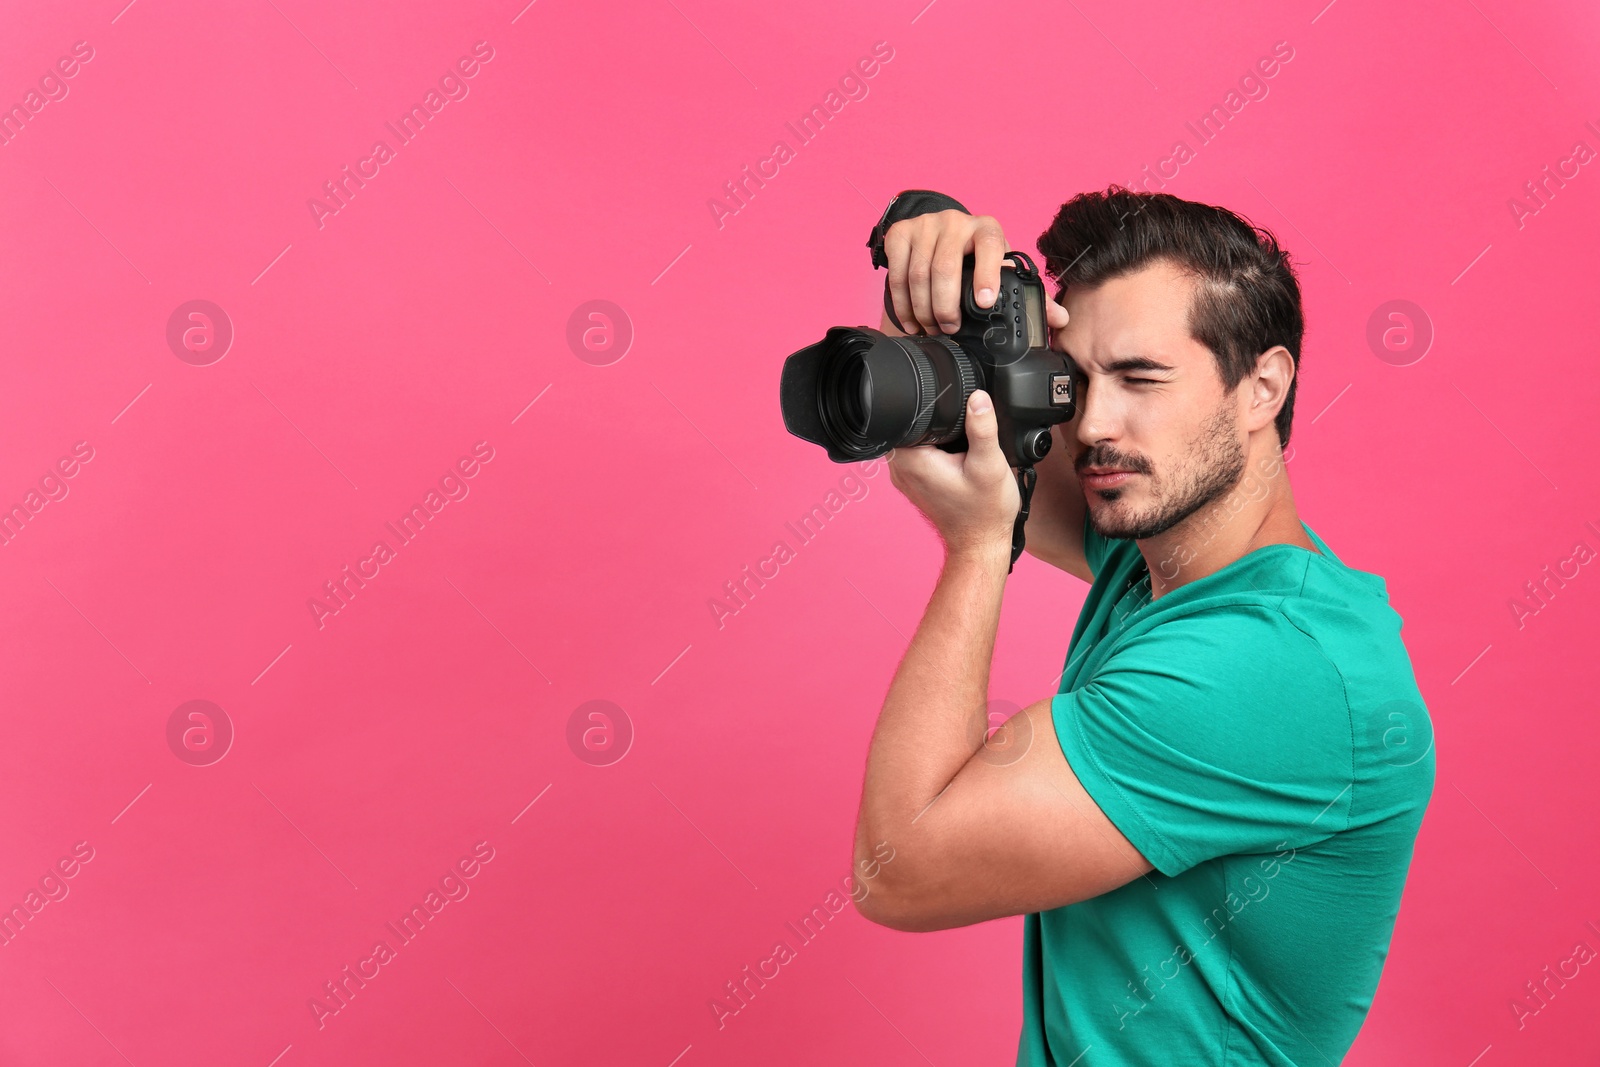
(1209, 825)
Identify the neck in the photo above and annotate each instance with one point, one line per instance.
(1259, 510)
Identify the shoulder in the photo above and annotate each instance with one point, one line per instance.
(1233, 642)
(1228, 674)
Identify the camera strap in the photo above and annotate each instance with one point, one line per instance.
(907, 204)
(1026, 477)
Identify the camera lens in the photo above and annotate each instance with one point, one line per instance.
(875, 393)
(855, 396)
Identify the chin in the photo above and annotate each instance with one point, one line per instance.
(1110, 517)
(1119, 518)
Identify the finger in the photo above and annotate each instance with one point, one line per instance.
(897, 249)
(1055, 315)
(955, 241)
(919, 272)
(988, 248)
(984, 455)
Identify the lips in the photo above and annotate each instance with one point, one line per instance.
(1104, 477)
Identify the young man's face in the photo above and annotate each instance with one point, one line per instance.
(1151, 404)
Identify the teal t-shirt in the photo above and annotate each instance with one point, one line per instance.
(1259, 736)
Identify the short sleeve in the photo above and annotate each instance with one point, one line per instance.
(1220, 732)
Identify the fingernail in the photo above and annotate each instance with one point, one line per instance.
(949, 327)
(985, 297)
(980, 402)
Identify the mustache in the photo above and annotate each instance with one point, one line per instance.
(1108, 457)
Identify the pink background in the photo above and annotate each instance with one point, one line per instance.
(372, 352)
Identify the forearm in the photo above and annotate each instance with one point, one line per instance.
(935, 715)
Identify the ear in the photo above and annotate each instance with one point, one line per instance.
(1269, 387)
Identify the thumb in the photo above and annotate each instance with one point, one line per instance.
(983, 434)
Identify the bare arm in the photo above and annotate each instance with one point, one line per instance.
(978, 831)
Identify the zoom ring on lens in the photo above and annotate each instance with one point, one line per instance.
(927, 382)
(965, 378)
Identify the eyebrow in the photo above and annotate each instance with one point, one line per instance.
(1136, 363)
(1133, 363)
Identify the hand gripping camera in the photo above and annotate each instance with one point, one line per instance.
(860, 392)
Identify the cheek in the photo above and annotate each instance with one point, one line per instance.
(1178, 443)
(1148, 431)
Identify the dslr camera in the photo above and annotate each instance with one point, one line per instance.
(860, 393)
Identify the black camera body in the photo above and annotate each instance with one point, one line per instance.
(860, 392)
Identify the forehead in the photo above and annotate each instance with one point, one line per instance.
(1145, 312)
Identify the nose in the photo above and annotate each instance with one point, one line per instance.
(1095, 419)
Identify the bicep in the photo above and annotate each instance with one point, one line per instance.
(1016, 832)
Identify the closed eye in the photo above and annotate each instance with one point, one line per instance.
(1149, 381)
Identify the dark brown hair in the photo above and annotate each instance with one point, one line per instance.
(1247, 300)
